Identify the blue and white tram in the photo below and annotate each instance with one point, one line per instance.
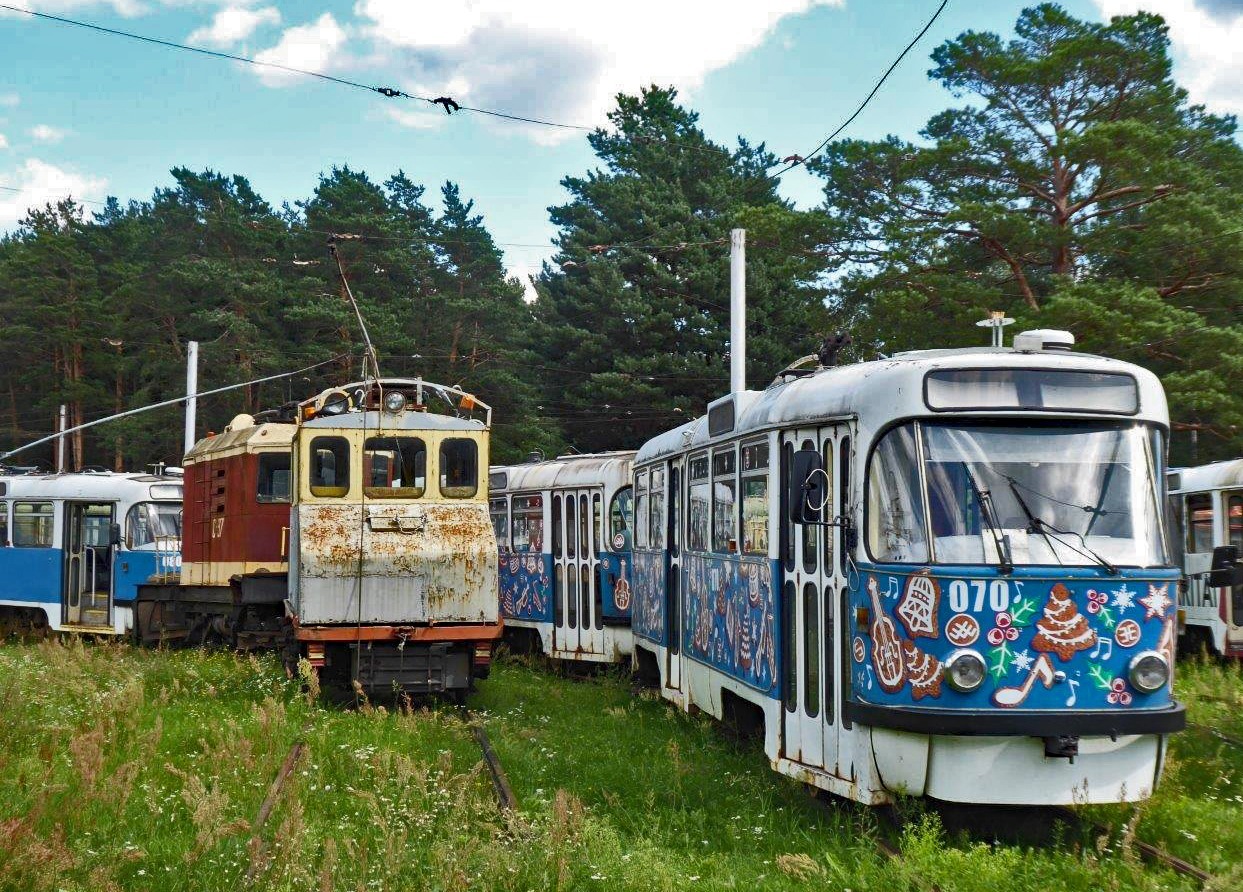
(74, 547)
(941, 574)
(563, 530)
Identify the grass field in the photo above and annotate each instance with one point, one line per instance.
(127, 769)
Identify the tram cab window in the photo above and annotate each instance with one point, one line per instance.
(755, 498)
(274, 477)
(1200, 523)
(699, 513)
(656, 524)
(32, 524)
(895, 510)
(157, 523)
(641, 517)
(527, 523)
(500, 521)
(459, 468)
(620, 512)
(4, 525)
(330, 467)
(1234, 518)
(394, 467)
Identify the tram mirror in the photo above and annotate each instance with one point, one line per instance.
(114, 534)
(1225, 571)
(808, 486)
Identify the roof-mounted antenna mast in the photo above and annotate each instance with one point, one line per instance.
(370, 356)
(997, 320)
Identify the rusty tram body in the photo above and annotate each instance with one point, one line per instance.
(351, 530)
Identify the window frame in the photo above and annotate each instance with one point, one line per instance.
(641, 517)
(759, 472)
(728, 477)
(334, 491)
(457, 492)
(371, 491)
(692, 543)
(50, 515)
(261, 458)
(1189, 515)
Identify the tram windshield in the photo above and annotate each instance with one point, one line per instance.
(153, 523)
(1077, 494)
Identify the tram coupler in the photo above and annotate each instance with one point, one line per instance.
(1065, 746)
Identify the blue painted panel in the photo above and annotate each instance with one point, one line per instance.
(1029, 627)
(731, 622)
(648, 586)
(616, 589)
(30, 574)
(133, 569)
(526, 586)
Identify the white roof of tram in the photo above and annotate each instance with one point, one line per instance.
(567, 471)
(104, 486)
(885, 390)
(1202, 478)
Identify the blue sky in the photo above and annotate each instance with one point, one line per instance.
(99, 115)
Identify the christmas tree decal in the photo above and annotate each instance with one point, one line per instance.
(1062, 630)
(923, 671)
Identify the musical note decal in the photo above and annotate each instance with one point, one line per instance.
(1107, 644)
(1042, 671)
(1070, 701)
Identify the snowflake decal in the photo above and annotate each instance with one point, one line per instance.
(1124, 599)
(1157, 602)
(1022, 661)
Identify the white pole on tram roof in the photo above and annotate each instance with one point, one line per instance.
(60, 443)
(192, 386)
(737, 310)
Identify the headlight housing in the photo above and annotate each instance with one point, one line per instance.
(394, 401)
(964, 671)
(1148, 672)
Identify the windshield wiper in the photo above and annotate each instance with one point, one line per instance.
(1037, 525)
(983, 498)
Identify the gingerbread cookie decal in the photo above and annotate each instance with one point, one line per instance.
(918, 608)
(1063, 630)
(923, 671)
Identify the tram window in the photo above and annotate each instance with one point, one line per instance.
(895, 511)
(700, 509)
(459, 468)
(810, 531)
(584, 589)
(500, 521)
(811, 650)
(558, 600)
(620, 511)
(787, 526)
(527, 523)
(4, 524)
(789, 655)
(1234, 519)
(274, 476)
(656, 523)
(641, 518)
(724, 500)
(558, 546)
(395, 467)
(597, 521)
(843, 498)
(1200, 523)
(330, 467)
(755, 498)
(570, 526)
(32, 524)
(828, 654)
(153, 522)
(571, 593)
(828, 510)
(585, 548)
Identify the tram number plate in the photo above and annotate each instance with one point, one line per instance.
(974, 595)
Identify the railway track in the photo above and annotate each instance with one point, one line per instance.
(500, 781)
(1148, 852)
(1213, 732)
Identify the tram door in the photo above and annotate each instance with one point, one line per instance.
(87, 580)
(577, 529)
(673, 580)
(1232, 506)
(812, 580)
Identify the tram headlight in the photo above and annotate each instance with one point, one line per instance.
(1148, 672)
(394, 401)
(964, 671)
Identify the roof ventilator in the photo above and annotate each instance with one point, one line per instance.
(1043, 339)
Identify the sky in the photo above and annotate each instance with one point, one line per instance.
(95, 115)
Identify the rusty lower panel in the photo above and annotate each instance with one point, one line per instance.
(396, 563)
(393, 633)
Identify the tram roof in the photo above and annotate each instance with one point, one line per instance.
(385, 422)
(105, 485)
(1201, 478)
(589, 469)
(884, 390)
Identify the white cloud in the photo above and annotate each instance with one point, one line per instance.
(39, 183)
(9, 100)
(4, 143)
(233, 24)
(127, 8)
(1205, 36)
(522, 273)
(563, 60)
(47, 133)
(315, 47)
